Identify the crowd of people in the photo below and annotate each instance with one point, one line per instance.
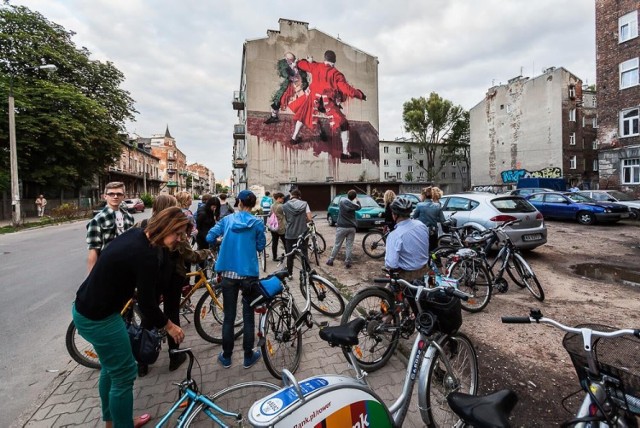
(151, 258)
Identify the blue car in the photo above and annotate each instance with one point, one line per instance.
(574, 206)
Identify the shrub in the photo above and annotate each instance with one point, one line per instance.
(66, 211)
(148, 199)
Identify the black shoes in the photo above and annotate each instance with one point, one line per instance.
(143, 369)
(272, 119)
(176, 361)
(295, 141)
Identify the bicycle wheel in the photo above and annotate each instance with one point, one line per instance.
(440, 382)
(379, 338)
(262, 257)
(474, 279)
(81, 350)
(282, 345)
(321, 244)
(237, 398)
(325, 298)
(313, 247)
(209, 316)
(527, 276)
(374, 244)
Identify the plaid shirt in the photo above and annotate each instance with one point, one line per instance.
(101, 229)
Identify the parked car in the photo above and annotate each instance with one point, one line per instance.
(526, 191)
(574, 206)
(134, 205)
(483, 211)
(370, 215)
(99, 207)
(617, 197)
(413, 197)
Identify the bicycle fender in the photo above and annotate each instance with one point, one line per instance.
(428, 360)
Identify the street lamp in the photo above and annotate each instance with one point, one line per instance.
(16, 218)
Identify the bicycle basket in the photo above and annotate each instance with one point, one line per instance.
(616, 357)
(446, 309)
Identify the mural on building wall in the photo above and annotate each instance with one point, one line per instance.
(513, 175)
(309, 108)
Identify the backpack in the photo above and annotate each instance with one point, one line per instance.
(272, 222)
(265, 203)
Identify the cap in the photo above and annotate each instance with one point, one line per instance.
(243, 196)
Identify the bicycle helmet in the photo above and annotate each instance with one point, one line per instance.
(401, 206)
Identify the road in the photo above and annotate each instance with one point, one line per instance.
(40, 270)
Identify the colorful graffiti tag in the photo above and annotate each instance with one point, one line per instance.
(513, 175)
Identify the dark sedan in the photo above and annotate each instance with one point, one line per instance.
(574, 206)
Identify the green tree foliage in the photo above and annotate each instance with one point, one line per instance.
(431, 123)
(67, 122)
(457, 148)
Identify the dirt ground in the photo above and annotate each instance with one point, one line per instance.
(530, 358)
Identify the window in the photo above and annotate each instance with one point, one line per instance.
(398, 150)
(572, 139)
(572, 162)
(442, 163)
(386, 162)
(595, 164)
(572, 91)
(572, 115)
(453, 163)
(594, 145)
(409, 155)
(629, 122)
(443, 175)
(453, 175)
(629, 73)
(397, 162)
(594, 122)
(385, 149)
(584, 119)
(421, 162)
(628, 26)
(420, 150)
(410, 168)
(463, 169)
(386, 175)
(631, 171)
(398, 175)
(421, 174)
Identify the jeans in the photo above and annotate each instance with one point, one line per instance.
(289, 243)
(110, 339)
(230, 290)
(275, 238)
(342, 233)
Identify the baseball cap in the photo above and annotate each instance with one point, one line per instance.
(243, 196)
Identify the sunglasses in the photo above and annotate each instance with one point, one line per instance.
(115, 195)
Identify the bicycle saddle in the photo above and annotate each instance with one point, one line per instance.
(343, 335)
(487, 411)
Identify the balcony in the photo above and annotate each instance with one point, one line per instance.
(238, 132)
(171, 170)
(239, 163)
(172, 184)
(238, 100)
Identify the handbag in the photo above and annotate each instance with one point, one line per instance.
(263, 290)
(145, 343)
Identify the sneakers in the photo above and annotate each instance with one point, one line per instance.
(226, 362)
(330, 262)
(248, 362)
(348, 265)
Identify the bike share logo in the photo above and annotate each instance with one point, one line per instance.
(416, 361)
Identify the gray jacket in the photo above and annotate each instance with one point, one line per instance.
(347, 213)
(295, 212)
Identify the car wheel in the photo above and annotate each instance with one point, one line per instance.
(330, 220)
(585, 217)
(634, 215)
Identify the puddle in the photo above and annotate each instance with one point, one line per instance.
(604, 272)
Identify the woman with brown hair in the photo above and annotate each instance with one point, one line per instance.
(430, 213)
(133, 261)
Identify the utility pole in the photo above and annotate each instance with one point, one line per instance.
(16, 219)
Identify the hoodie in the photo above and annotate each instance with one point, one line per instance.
(243, 236)
(295, 212)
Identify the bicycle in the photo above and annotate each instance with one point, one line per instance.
(441, 362)
(226, 408)
(316, 241)
(281, 321)
(374, 242)
(608, 369)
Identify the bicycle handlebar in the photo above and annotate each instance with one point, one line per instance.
(447, 289)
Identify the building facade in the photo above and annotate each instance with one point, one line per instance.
(202, 178)
(539, 127)
(173, 162)
(617, 74)
(325, 130)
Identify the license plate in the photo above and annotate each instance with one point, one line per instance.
(378, 222)
(624, 215)
(534, 237)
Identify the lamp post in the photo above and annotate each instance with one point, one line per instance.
(16, 218)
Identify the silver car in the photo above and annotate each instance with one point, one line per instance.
(483, 211)
(615, 196)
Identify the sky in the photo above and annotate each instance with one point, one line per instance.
(182, 59)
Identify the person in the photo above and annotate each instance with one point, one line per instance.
(574, 188)
(388, 198)
(203, 201)
(206, 219)
(184, 201)
(407, 248)
(41, 202)
(112, 221)
(265, 204)
(130, 265)
(293, 84)
(243, 236)
(327, 90)
(430, 213)
(296, 213)
(278, 235)
(346, 227)
(225, 208)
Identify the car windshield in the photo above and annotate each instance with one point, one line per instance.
(576, 197)
(513, 205)
(620, 195)
(367, 201)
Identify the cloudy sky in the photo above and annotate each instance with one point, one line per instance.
(182, 58)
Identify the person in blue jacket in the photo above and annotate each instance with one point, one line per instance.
(243, 236)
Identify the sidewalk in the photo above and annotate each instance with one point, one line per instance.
(72, 397)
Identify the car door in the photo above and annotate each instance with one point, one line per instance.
(558, 206)
(460, 206)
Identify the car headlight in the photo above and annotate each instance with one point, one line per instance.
(607, 210)
(366, 215)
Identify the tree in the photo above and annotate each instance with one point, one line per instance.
(457, 149)
(67, 123)
(431, 122)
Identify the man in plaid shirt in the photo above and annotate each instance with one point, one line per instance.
(108, 223)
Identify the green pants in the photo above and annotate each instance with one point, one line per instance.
(110, 339)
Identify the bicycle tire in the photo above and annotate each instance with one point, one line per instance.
(209, 316)
(528, 277)
(313, 246)
(237, 398)
(376, 343)
(374, 244)
(325, 297)
(439, 384)
(263, 259)
(442, 256)
(473, 279)
(282, 345)
(79, 349)
(321, 243)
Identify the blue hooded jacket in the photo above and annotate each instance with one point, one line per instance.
(243, 236)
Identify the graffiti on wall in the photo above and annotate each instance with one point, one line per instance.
(513, 175)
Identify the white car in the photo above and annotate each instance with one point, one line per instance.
(617, 197)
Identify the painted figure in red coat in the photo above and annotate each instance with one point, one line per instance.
(328, 89)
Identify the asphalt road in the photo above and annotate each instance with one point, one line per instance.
(40, 270)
